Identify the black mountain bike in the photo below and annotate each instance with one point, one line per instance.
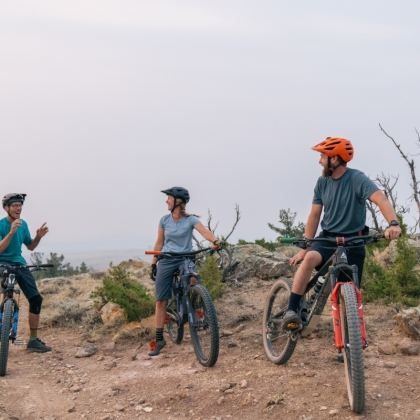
(347, 308)
(192, 303)
(9, 308)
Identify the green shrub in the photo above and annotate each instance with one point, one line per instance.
(118, 287)
(212, 277)
(400, 283)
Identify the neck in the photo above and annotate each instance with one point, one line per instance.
(11, 218)
(176, 214)
(339, 172)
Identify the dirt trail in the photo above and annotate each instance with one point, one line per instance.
(124, 383)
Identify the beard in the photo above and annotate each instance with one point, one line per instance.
(326, 172)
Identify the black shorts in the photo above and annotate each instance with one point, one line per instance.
(26, 282)
(355, 255)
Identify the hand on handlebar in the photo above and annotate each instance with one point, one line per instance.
(220, 243)
(295, 260)
(392, 232)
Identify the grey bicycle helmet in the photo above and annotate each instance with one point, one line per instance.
(13, 198)
(178, 192)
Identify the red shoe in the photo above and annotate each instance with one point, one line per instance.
(156, 347)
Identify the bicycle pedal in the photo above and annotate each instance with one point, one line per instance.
(19, 342)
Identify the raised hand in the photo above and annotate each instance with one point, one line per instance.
(42, 231)
(15, 226)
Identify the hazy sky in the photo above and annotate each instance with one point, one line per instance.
(105, 103)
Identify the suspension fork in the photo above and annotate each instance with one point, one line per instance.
(186, 302)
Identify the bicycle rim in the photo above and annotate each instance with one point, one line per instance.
(352, 351)
(279, 344)
(174, 327)
(204, 329)
(5, 332)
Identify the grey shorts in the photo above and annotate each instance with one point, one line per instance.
(165, 274)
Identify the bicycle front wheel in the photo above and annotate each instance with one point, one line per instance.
(279, 344)
(5, 332)
(174, 327)
(204, 329)
(352, 351)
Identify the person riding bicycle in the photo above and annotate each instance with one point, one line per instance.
(13, 233)
(175, 234)
(342, 193)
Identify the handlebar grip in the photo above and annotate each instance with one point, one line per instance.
(153, 252)
(214, 247)
(287, 240)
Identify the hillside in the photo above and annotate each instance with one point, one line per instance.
(119, 381)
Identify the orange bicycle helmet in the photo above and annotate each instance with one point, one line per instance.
(333, 146)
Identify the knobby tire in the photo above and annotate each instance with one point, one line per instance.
(5, 332)
(204, 329)
(279, 344)
(175, 328)
(352, 351)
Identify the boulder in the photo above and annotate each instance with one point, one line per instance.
(257, 261)
(136, 329)
(112, 314)
(388, 255)
(409, 321)
(408, 346)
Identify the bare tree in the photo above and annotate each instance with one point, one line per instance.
(410, 162)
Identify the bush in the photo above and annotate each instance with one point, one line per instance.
(118, 287)
(400, 283)
(212, 277)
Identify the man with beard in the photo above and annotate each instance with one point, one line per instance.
(342, 193)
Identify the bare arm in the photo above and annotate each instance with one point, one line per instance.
(379, 198)
(40, 233)
(159, 243)
(310, 231)
(205, 233)
(4, 243)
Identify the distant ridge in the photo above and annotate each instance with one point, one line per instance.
(99, 260)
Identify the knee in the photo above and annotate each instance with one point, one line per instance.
(311, 260)
(35, 304)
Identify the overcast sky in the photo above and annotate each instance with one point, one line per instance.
(105, 103)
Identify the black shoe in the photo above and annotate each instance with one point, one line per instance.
(37, 346)
(156, 347)
(340, 356)
(291, 321)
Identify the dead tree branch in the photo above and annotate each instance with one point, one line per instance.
(415, 184)
(238, 217)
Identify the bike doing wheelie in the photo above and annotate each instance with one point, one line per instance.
(341, 280)
(9, 307)
(192, 303)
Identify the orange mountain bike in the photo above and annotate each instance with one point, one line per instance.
(341, 280)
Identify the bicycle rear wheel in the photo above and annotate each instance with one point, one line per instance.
(352, 351)
(279, 344)
(204, 329)
(5, 332)
(174, 327)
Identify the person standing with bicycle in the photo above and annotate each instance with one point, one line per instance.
(341, 193)
(14, 233)
(175, 234)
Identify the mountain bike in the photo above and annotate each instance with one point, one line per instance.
(192, 303)
(9, 307)
(347, 309)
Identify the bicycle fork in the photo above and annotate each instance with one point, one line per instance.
(335, 303)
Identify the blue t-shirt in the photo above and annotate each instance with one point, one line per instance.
(344, 201)
(178, 234)
(13, 253)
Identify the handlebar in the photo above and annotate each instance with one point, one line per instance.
(339, 241)
(181, 254)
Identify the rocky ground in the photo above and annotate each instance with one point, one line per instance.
(119, 380)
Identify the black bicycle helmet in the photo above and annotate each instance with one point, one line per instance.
(13, 198)
(178, 192)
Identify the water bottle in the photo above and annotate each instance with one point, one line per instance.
(320, 282)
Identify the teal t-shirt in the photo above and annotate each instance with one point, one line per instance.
(178, 234)
(13, 253)
(344, 201)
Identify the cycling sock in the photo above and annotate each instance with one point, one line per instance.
(33, 334)
(159, 334)
(294, 301)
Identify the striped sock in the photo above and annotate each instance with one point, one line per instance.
(159, 334)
